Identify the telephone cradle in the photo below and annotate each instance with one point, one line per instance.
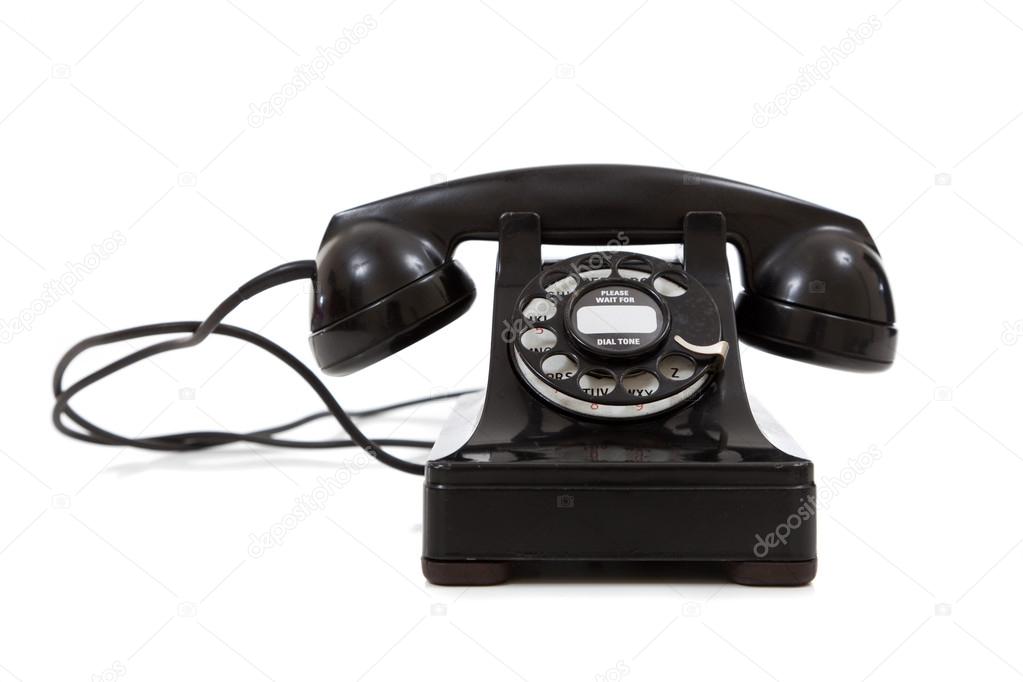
(614, 432)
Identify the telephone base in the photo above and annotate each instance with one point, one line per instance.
(753, 573)
(544, 512)
(530, 483)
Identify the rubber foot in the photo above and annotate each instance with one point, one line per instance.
(466, 572)
(771, 573)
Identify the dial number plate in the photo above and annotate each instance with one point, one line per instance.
(600, 335)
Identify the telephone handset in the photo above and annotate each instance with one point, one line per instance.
(614, 429)
(815, 287)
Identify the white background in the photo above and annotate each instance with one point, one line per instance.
(130, 122)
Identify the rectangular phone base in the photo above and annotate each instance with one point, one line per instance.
(752, 522)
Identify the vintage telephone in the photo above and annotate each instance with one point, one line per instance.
(615, 426)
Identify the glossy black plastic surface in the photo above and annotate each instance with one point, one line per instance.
(386, 325)
(806, 334)
(793, 252)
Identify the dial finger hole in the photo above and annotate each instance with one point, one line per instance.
(593, 266)
(559, 367)
(538, 339)
(595, 274)
(635, 269)
(539, 309)
(640, 383)
(559, 284)
(676, 368)
(597, 383)
(669, 285)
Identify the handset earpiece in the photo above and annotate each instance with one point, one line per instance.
(821, 295)
(379, 288)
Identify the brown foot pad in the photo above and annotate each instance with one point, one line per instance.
(771, 573)
(466, 572)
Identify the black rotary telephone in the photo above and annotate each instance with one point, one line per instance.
(615, 426)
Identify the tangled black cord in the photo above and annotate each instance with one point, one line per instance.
(199, 331)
